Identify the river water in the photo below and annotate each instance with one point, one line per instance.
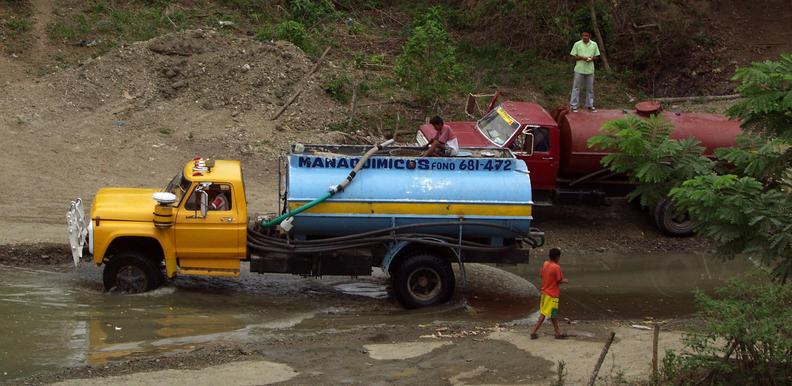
(56, 317)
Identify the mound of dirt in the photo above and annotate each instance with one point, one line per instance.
(202, 68)
(134, 116)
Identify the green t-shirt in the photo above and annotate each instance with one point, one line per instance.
(583, 49)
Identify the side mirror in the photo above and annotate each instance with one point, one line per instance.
(471, 107)
(204, 203)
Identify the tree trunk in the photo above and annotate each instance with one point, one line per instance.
(597, 33)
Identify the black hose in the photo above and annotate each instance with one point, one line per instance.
(257, 239)
(291, 248)
(262, 242)
(252, 231)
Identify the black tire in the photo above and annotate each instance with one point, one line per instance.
(130, 272)
(669, 224)
(423, 280)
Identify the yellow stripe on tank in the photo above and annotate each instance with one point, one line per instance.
(417, 208)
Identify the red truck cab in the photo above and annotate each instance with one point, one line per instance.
(526, 128)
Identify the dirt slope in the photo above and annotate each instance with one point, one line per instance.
(132, 117)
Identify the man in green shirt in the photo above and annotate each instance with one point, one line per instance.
(584, 52)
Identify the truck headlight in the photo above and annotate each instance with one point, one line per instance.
(421, 139)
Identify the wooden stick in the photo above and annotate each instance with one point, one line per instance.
(396, 129)
(704, 98)
(353, 105)
(642, 26)
(378, 103)
(601, 359)
(304, 82)
(654, 349)
(599, 36)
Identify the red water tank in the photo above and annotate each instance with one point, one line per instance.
(577, 159)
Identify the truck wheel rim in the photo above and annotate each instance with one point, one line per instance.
(424, 284)
(131, 279)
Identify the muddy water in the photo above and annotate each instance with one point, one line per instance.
(607, 286)
(55, 317)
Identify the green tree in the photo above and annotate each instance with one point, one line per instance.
(749, 208)
(642, 150)
(428, 65)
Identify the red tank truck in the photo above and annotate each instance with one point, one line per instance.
(564, 170)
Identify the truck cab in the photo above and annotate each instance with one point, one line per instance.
(525, 128)
(196, 224)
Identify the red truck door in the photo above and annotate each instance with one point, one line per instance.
(543, 163)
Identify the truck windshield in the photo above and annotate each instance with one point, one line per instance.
(178, 186)
(498, 125)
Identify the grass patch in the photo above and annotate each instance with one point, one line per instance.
(166, 131)
(495, 65)
(113, 26)
(339, 88)
(15, 25)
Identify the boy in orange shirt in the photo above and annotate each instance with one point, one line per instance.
(552, 277)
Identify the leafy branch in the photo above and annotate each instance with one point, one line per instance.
(643, 150)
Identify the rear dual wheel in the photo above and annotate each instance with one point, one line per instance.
(671, 223)
(423, 280)
(132, 273)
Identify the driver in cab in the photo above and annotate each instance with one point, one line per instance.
(218, 199)
(444, 143)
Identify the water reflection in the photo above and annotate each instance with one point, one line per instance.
(634, 286)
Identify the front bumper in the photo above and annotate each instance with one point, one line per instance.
(78, 227)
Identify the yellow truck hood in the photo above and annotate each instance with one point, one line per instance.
(129, 204)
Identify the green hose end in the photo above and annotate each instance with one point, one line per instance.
(279, 219)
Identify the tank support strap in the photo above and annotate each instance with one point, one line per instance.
(458, 252)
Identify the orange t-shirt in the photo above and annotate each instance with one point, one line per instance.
(551, 276)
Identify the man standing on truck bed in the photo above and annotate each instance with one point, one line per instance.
(444, 143)
(585, 52)
(552, 277)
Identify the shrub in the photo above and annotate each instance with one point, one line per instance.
(339, 88)
(428, 66)
(310, 11)
(747, 338)
(292, 31)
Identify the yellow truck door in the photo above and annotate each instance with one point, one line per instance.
(214, 236)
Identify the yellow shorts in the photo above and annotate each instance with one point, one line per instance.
(548, 306)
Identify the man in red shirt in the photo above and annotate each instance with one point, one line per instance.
(444, 143)
(552, 277)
